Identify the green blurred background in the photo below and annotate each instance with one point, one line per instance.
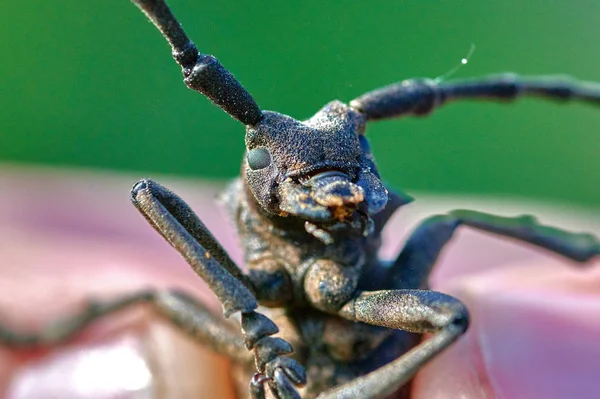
(92, 84)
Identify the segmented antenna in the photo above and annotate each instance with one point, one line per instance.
(202, 72)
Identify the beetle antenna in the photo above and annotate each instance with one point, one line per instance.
(202, 72)
(463, 61)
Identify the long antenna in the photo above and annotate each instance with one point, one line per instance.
(202, 72)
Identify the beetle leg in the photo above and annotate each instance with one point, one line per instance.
(177, 307)
(417, 311)
(179, 225)
(414, 263)
(172, 218)
(420, 97)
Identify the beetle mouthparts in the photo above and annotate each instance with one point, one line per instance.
(334, 189)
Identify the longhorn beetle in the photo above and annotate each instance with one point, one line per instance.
(310, 208)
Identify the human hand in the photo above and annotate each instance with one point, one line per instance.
(67, 237)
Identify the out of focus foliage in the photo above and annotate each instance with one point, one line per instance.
(92, 84)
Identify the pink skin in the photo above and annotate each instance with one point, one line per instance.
(67, 237)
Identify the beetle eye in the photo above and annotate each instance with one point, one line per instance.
(259, 158)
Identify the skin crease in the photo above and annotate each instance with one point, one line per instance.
(66, 236)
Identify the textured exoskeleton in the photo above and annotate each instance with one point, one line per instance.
(310, 207)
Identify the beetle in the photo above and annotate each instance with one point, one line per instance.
(309, 208)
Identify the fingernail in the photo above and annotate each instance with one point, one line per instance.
(186, 368)
(108, 370)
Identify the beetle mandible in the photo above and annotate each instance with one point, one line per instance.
(310, 207)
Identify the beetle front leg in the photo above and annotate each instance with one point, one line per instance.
(172, 218)
(416, 311)
(414, 263)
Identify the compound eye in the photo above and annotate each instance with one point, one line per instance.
(259, 158)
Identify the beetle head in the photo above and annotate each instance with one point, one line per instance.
(319, 170)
